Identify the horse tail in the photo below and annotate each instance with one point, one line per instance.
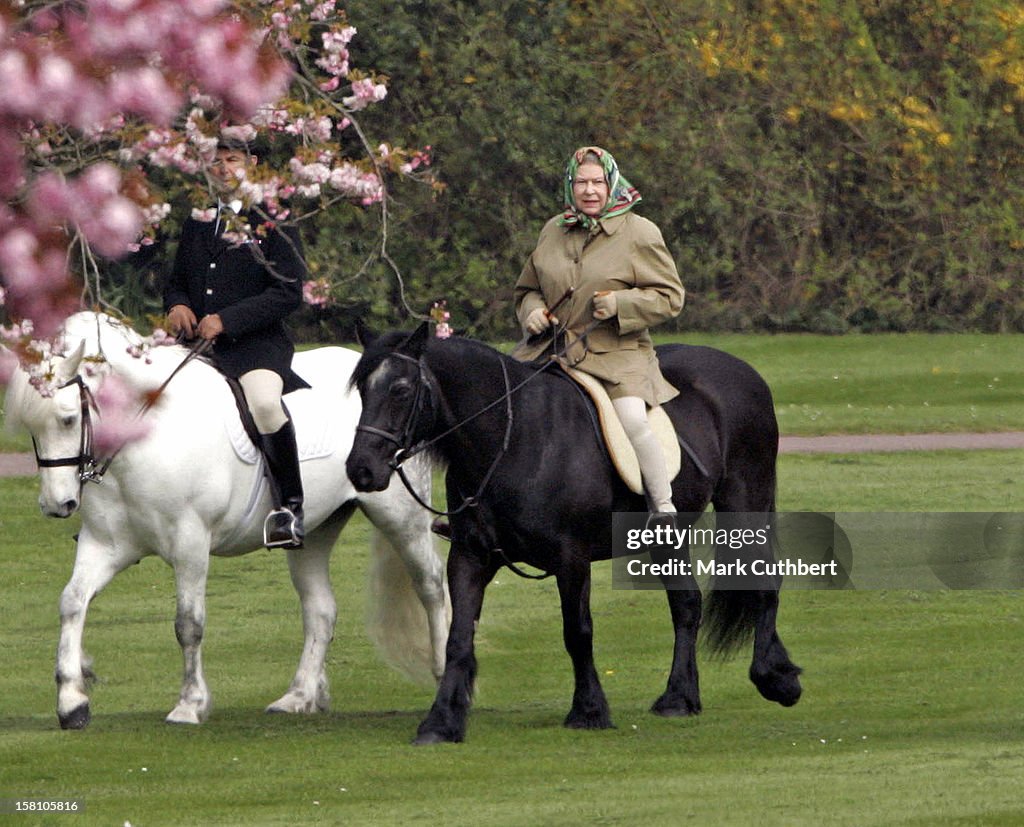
(396, 621)
(739, 601)
(730, 617)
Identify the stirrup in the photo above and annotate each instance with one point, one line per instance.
(281, 529)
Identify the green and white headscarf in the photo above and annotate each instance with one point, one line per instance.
(622, 195)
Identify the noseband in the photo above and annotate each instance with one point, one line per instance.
(84, 460)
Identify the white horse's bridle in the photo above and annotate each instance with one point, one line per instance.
(84, 459)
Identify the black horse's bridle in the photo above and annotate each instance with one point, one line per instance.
(407, 450)
(404, 436)
(84, 460)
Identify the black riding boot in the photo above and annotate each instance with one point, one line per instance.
(283, 526)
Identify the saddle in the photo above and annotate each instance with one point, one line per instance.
(315, 431)
(619, 447)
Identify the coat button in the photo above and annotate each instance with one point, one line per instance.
(209, 291)
(213, 265)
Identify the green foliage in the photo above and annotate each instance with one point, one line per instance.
(819, 165)
(813, 166)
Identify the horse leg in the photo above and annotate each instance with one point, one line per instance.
(468, 576)
(589, 706)
(747, 505)
(190, 570)
(682, 694)
(310, 574)
(95, 566)
(776, 677)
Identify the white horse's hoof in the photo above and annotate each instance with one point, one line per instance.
(186, 714)
(296, 704)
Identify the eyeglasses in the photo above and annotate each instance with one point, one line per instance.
(582, 183)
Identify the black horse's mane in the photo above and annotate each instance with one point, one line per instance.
(377, 350)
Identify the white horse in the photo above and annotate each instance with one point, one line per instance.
(189, 489)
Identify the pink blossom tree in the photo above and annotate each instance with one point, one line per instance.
(95, 95)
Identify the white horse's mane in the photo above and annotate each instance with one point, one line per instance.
(104, 336)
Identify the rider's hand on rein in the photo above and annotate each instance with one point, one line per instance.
(539, 320)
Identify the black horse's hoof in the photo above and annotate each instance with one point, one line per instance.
(77, 718)
(675, 707)
(599, 719)
(423, 739)
(781, 686)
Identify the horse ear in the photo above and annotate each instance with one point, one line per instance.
(68, 367)
(417, 341)
(8, 364)
(364, 336)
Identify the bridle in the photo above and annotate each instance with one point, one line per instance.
(84, 460)
(89, 470)
(403, 438)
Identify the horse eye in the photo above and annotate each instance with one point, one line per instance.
(401, 390)
(67, 421)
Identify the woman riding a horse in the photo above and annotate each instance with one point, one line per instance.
(612, 270)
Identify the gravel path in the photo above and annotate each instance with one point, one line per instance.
(858, 443)
(20, 465)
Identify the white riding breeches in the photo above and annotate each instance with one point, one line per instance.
(632, 411)
(262, 390)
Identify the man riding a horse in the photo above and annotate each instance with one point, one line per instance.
(238, 296)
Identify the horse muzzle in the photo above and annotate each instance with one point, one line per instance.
(61, 510)
(367, 473)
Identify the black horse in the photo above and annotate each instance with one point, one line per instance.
(529, 481)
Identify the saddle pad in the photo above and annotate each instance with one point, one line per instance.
(316, 429)
(619, 447)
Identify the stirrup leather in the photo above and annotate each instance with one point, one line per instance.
(281, 529)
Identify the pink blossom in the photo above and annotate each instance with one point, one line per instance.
(239, 132)
(145, 90)
(316, 292)
(106, 71)
(352, 182)
(323, 11)
(365, 92)
(118, 422)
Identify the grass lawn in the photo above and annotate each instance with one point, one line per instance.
(911, 713)
(912, 710)
(887, 383)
